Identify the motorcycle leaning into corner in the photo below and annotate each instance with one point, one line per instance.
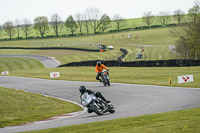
(96, 104)
(105, 78)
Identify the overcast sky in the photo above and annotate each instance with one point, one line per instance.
(20, 9)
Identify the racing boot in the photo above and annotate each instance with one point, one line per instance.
(107, 101)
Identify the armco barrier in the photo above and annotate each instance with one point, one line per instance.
(50, 48)
(154, 63)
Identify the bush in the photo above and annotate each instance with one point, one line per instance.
(63, 36)
(20, 38)
(171, 25)
(50, 36)
(97, 33)
(30, 37)
(112, 31)
(156, 26)
(138, 28)
(71, 35)
(37, 37)
(126, 29)
(145, 27)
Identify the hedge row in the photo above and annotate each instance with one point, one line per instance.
(155, 63)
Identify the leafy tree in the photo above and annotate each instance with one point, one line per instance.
(148, 18)
(105, 22)
(1, 29)
(80, 21)
(188, 36)
(56, 23)
(41, 25)
(9, 29)
(94, 18)
(26, 27)
(164, 17)
(71, 24)
(17, 26)
(119, 21)
(86, 22)
(179, 15)
(194, 12)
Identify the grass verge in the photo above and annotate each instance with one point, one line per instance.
(9, 64)
(133, 75)
(184, 121)
(67, 56)
(19, 107)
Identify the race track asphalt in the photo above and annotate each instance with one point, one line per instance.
(128, 99)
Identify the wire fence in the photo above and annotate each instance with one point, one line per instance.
(161, 56)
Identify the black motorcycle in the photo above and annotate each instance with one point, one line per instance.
(95, 104)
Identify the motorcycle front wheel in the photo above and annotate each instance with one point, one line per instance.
(112, 108)
(108, 82)
(97, 110)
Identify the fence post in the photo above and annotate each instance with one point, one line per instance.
(195, 55)
(163, 55)
(171, 55)
(149, 56)
(156, 55)
(134, 57)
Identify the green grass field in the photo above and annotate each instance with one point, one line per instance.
(130, 24)
(184, 121)
(10, 64)
(152, 40)
(67, 56)
(19, 107)
(158, 36)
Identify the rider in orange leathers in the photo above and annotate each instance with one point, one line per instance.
(99, 69)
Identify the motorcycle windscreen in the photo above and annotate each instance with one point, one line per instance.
(87, 99)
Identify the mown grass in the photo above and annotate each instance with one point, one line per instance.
(184, 121)
(130, 24)
(158, 36)
(10, 64)
(67, 56)
(133, 75)
(19, 107)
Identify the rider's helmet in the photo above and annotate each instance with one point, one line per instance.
(99, 63)
(82, 89)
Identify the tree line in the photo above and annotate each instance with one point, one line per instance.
(188, 34)
(90, 19)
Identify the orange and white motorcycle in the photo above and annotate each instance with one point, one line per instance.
(105, 78)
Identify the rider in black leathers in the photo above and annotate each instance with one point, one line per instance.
(83, 90)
